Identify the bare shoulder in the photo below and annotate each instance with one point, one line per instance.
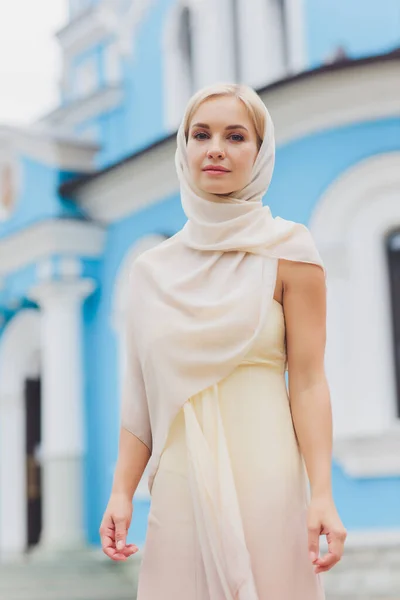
(301, 278)
(304, 304)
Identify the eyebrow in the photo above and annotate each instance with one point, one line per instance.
(205, 126)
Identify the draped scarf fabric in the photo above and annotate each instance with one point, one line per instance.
(197, 303)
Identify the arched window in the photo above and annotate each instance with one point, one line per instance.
(393, 254)
(350, 225)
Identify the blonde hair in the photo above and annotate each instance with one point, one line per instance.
(252, 101)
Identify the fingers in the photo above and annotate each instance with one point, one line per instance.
(314, 531)
(120, 533)
(336, 542)
(108, 534)
(122, 555)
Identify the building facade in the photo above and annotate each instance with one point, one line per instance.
(87, 188)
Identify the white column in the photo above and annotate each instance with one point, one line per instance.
(262, 42)
(295, 35)
(62, 411)
(213, 53)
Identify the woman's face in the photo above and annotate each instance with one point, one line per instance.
(222, 145)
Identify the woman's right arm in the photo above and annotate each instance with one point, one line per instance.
(133, 457)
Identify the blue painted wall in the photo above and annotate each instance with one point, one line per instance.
(363, 27)
(38, 196)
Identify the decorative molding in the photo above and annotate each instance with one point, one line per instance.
(131, 186)
(70, 268)
(370, 455)
(328, 100)
(113, 18)
(82, 32)
(79, 110)
(348, 194)
(122, 21)
(300, 107)
(10, 177)
(61, 293)
(55, 236)
(38, 143)
(45, 269)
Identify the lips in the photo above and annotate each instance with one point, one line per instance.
(216, 169)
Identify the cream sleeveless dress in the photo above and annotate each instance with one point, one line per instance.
(243, 427)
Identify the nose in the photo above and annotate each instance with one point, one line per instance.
(213, 153)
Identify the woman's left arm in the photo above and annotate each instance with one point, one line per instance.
(304, 301)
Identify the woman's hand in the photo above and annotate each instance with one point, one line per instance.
(114, 528)
(323, 519)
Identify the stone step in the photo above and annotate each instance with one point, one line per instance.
(84, 577)
(365, 573)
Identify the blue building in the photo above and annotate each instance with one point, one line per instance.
(90, 186)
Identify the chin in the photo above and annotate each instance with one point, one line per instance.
(221, 190)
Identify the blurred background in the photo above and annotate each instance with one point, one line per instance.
(92, 92)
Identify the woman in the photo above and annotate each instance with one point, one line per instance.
(217, 314)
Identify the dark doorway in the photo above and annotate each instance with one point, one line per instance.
(394, 271)
(33, 468)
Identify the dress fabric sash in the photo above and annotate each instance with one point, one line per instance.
(216, 508)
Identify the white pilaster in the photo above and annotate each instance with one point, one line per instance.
(263, 42)
(213, 53)
(62, 411)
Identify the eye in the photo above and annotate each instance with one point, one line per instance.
(236, 137)
(200, 133)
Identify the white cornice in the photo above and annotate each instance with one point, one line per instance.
(370, 455)
(132, 185)
(301, 107)
(83, 32)
(85, 108)
(56, 236)
(66, 153)
(330, 99)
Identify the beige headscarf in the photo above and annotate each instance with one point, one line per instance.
(198, 302)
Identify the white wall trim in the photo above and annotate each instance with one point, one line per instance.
(118, 315)
(39, 144)
(79, 110)
(55, 236)
(132, 186)
(324, 101)
(333, 99)
(19, 351)
(82, 32)
(349, 225)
